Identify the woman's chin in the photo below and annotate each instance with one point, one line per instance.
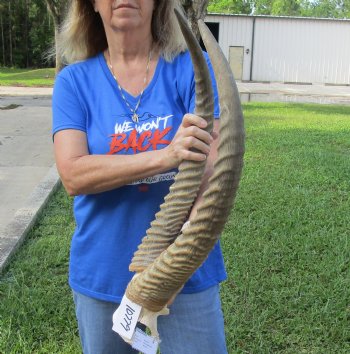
(125, 23)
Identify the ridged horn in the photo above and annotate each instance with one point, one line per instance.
(165, 276)
(177, 204)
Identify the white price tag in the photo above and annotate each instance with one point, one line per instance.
(144, 343)
(125, 318)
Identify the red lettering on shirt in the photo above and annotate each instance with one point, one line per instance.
(132, 141)
(142, 139)
(157, 138)
(137, 143)
(116, 143)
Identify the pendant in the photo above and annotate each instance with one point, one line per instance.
(135, 118)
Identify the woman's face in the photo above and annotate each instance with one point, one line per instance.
(125, 15)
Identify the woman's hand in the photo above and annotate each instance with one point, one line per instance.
(191, 141)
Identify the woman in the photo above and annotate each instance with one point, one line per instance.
(121, 129)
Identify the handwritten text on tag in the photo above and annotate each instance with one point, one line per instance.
(125, 318)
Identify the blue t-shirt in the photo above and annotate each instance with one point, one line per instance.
(110, 225)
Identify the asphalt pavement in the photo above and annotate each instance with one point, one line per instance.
(28, 173)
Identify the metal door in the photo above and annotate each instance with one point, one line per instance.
(236, 61)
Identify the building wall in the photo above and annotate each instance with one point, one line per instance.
(235, 31)
(286, 49)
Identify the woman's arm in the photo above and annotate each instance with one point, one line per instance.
(82, 173)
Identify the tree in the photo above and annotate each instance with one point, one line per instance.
(229, 6)
(309, 8)
(57, 10)
(286, 8)
(26, 33)
(195, 10)
(41, 33)
(10, 33)
(2, 34)
(329, 8)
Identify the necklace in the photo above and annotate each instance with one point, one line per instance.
(135, 116)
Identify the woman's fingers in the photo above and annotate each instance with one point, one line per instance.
(196, 121)
(191, 141)
(194, 126)
(191, 119)
(199, 134)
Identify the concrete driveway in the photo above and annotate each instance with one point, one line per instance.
(27, 175)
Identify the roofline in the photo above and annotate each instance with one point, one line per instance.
(280, 17)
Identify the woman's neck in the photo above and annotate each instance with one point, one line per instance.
(132, 61)
(129, 47)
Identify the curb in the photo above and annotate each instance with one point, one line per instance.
(25, 91)
(17, 230)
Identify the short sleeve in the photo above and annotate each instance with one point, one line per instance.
(67, 112)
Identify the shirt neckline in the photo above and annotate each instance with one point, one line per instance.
(129, 96)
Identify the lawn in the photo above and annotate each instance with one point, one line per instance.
(286, 246)
(27, 77)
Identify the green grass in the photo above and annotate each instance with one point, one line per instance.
(286, 246)
(36, 310)
(27, 77)
(287, 242)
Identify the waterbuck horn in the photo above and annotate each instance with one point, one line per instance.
(162, 279)
(177, 205)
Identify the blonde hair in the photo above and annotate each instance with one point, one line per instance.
(82, 34)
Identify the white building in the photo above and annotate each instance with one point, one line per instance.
(284, 49)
